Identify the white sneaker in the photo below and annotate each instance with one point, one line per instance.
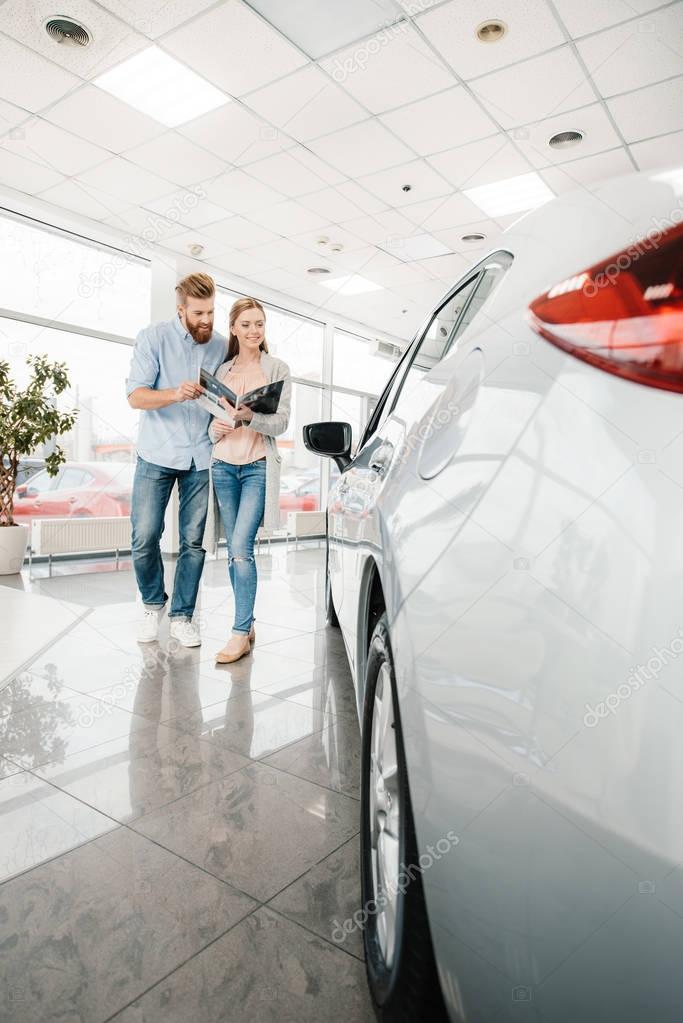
(148, 628)
(185, 632)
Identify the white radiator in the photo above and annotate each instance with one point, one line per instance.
(306, 523)
(80, 536)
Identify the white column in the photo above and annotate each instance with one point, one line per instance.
(164, 276)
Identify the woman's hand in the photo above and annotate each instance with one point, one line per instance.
(244, 413)
(221, 428)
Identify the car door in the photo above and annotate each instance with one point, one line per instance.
(416, 388)
(32, 502)
(67, 494)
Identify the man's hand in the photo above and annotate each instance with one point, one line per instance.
(244, 413)
(188, 390)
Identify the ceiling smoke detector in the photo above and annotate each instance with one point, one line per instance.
(196, 249)
(337, 247)
(317, 270)
(67, 32)
(477, 236)
(565, 139)
(491, 31)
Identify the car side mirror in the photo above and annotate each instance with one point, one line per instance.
(333, 440)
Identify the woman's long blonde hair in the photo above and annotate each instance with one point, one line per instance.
(239, 307)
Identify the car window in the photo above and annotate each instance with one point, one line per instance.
(71, 479)
(41, 482)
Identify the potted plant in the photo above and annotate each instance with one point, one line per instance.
(28, 417)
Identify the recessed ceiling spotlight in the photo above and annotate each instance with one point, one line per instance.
(323, 241)
(474, 237)
(491, 31)
(196, 249)
(565, 139)
(67, 32)
(318, 270)
(337, 247)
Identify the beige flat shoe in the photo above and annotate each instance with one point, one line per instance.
(237, 647)
(252, 635)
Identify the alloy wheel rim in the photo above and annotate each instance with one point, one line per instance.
(385, 816)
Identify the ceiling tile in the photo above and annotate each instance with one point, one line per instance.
(446, 268)
(25, 175)
(583, 16)
(111, 41)
(582, 173)
(306, 104)
(191, 208)
(53, 147)
(599, 136)
(239, 233)
(279, 280)
(234, 49)
(151, 228)
(451, 28)
(361, 149)
(103, 120)
(28, 80)
(428, 294)
(176, 158)
(423, 180)
(328, 203)
(238, 192)
(536, 88)
(330, 175)
(365, 202)
(283, 254)
(380, 227)
(242, 264)
(117, 176)
(442, 213)
(287, 174)
(636, 54)
(400, 275)
(480, 163)
(288, 218)
(417, 246)
(154, 17)
(659, 152)
(655, 110)
(10, 116)
(84, 199)
(235, 134)
(374, 71)
(440, 122)
(320, 26)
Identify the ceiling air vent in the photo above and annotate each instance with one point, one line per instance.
(67, 32)
(387, 350)
(565, 139)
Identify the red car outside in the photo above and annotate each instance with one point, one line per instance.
(80, 489)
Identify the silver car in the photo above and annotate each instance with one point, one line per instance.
(505, 561)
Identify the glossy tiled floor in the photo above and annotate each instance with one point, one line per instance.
(178, 841)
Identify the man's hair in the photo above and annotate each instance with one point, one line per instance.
(194, 286)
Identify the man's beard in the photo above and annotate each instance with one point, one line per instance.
(200, 334)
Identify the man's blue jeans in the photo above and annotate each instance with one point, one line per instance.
(152, 488)
(241, 494)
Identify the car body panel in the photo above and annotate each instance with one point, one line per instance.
(531, 558)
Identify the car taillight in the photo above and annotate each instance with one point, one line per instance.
(625, 314)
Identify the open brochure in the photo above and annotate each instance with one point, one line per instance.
(262, 399)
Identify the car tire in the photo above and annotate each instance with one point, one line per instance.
(330, 613)
(401, 972)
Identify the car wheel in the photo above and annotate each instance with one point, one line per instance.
(399, 956)
(330, 612)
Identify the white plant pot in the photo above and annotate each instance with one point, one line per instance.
(13, 541)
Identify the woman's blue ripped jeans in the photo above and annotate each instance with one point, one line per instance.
(241, 494)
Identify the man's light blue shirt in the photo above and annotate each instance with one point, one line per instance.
(165, 355)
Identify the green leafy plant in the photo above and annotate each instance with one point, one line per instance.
(30, 417)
